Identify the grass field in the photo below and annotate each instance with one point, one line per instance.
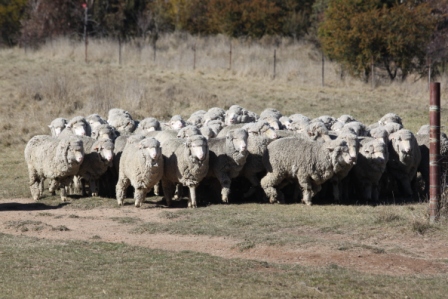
(54, 81)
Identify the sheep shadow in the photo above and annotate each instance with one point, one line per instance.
(32, 206)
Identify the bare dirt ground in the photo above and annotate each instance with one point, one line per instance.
(416, 255)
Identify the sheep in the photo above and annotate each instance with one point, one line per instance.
(260, 134)
(355, 127)
(52, 158)
(214, 113)
(227, 129)
(141, 165)
(337, 180)
(341, 121)
(212, 128)
(175, 123)
(98, 157)
(423, 143)
(310, 162)
(57, 125)
(270, 112)
(317, 130)
(196, 118)
(273, 122)
(371, 164)
(227, 158)
(104, 131)
(404, 159)
(94, 121)
(187, 163)
(285, 122)
(148, 124)
(379, 133)
(327, 120)
(76, 126)
(390, 118)
(237, 114)
(299, 124)
(121, 120)
(187, 131)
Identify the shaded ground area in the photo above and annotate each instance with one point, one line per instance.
(401, 255)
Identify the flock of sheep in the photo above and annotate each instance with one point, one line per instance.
(274, 157)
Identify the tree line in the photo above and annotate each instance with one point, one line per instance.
(398, 36)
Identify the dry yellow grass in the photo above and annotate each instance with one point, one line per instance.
(54, 81)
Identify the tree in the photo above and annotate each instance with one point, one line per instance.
(392, 35)
(11, 12)
(50, 18)
(243, 17)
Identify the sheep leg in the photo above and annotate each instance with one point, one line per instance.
(35, 187)
(93, 188)
(120, 190)
(224, 180)
(178, 194)
(52, 188)
(157, 189)
(168, 191)
(270, 180)
(139, 196)
(192, 201)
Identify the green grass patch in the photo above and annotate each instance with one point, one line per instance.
(65, 269)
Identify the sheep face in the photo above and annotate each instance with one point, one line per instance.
(74, 150)
(188, 131)
(176, 122)
(198, 147)
(340, 154)
(78, 128)
(105, 149)
(150, 148)
(56, 130)
(269, 132)
(239, 139)
(377, 153)
(402, 144)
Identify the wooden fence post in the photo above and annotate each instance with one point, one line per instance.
(434, 152)
(275, 62)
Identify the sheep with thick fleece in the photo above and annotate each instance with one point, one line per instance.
(214, 113)
(310, 162)
(141, 165)
(404, 159)
(104, 131)
(227, 158)
(57, 126)
(186, 162)
(366, 174)
(422, 137)
(98, 157)
(76, 126)
(196, 118)
(270, 112)
(260, 134)
(57, 159)
(95, 120)
(148, 124)
(237, 115)
(121, 120)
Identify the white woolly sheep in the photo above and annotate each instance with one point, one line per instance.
(52, 158)
(404, 159)
(214, 113)
(98, 157)
(187, 163)
(141, 165)
(196, 118)
(227, 158)
(366, 174)
(121, 120)
(311, 163)
(57, 125)
(76, 126)
(237, 114)
(95, 120)
(270, 112)
(148, 124)
(104, 131)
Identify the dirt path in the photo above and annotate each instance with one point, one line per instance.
(420, 256)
